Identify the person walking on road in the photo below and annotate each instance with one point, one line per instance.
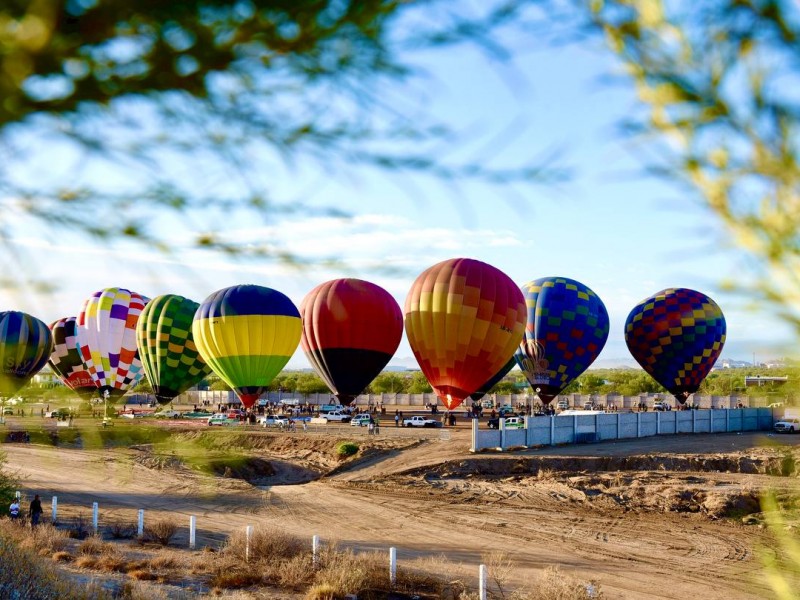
(35, 510)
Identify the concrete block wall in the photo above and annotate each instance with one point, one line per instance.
(559, 430)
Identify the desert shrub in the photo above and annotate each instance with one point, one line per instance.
(322, 591)
(86, 561)
(93, 545)
(552, 584)
(139, 590)
(345, 573)
(294, 573)
(345, 449)
(121, 530)
(266, 544)
(163, 561)
(161, 531)
(43, 539)
(236, 577)
(79, 528)
(62, 556)
(141, 575)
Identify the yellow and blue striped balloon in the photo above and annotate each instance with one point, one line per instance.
(247, 334)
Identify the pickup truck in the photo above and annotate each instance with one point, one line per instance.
(419, 421)
(336, 415)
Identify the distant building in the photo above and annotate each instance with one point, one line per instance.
(759, 380)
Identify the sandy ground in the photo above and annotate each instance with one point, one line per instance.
(624, 529)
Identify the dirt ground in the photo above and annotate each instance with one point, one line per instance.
(668, 517)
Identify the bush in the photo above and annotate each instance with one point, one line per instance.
(266, 544)
(161, 531)
(121, 530)
(345, 449)
(79, 528)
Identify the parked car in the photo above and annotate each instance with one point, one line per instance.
(588, 405)
(235, 413)
(59, 413)
(336, 415)
(511, 423)
(420, 421)
(167, 414)
(130, 414)
(562, 405)
(273, 421)
(505, 410)
(661, 405)
(8, 410)
(362, 420)
(221, 419)
(787, 425)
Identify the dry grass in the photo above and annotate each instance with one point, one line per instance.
(62, 556)
(141, 575)
(94, 545)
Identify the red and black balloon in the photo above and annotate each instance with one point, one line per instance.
(351, 330)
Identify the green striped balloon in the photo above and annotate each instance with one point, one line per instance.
(25, 346)
(166, 346)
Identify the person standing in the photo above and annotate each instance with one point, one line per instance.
(35, 510)
(396, 419)
(13, 510)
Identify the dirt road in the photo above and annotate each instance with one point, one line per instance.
(418, 500)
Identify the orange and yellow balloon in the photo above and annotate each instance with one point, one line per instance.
(464, 320)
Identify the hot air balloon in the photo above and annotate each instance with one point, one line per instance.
(493, 381)
(351, 329)
(464, 319)
(25, 346)
(107, 339)
(566, 330)
(677, 336)
(66, 359)
(166, 346)
(247, 334)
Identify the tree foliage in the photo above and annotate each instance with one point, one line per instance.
(716, 80)
(190, 110)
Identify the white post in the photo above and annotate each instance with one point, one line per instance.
(248, 535)
(638, 424)
(694, 414)
(483, 576)
(55, 509)
(552, 430)
(94, 517)
(502, 427)
(658, 423)
(18, 495)
(475, 434)
(727, 420)
(193, 532)
(711, 421)
(392, 565)
(315, 549)
(140, 528)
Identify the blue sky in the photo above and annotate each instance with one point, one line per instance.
(624, 235)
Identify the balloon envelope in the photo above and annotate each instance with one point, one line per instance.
(25, 346)
(351, 330)
(166, 346)
(566, 330)
(107, 339)
(66, 359)
(676, 335)
(247, 334)
(497, 378)
(464, 319)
